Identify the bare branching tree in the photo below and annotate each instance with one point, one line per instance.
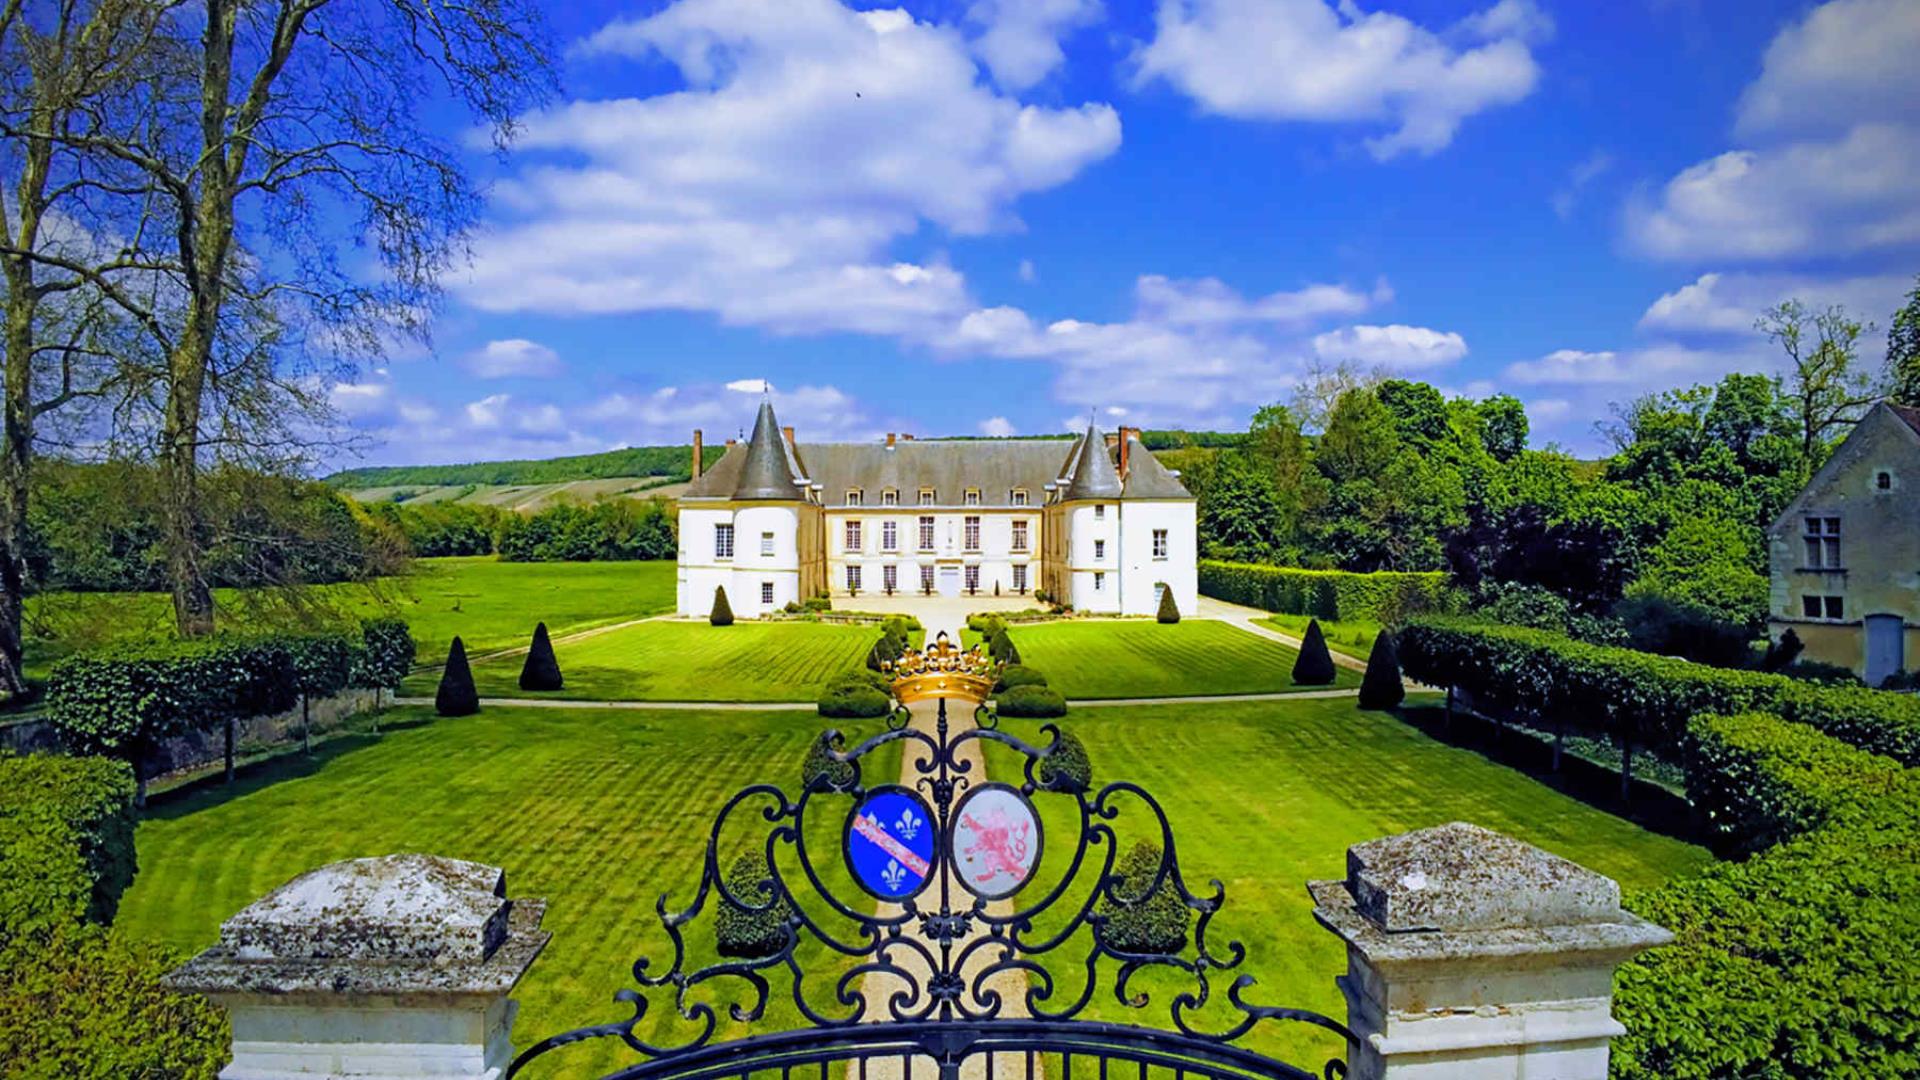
(1828, 387)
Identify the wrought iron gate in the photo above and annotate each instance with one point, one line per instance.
(935, 868)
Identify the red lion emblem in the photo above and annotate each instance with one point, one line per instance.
(998, 845)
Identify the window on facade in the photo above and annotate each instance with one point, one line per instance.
(926, 496)
(853, 579)
(853, 536)
(1823, 543)
(889, 497)
(1099, 582)
(972, 497)
(1823, 607)
(890, 577)
(723, 541)
(1019, 497)
(926, 532)
(853, 497)
(926, 579)
(1019, 536)
(1099, 550)
(766, 592)
(1883, 480)
(1099, 512)
(1836, 607)
(972, 532)
(973, 578)
(1020, 578)
(766, 543)
(890, 536)
(1159, 543)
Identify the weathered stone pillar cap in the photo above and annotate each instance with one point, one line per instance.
(392, 924)
(1458, 890)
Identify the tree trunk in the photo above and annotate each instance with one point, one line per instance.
(192, 597)
(1626, 768)
(306, 726)
(231, 725)
(16, 455)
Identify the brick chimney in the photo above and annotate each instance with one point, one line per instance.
(787, 432)
(907, 436)
(697, 450)
(1126, 436)
(731, 442)
(890, 437)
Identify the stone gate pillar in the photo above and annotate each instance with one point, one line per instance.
(1473, 956)
(381, 968)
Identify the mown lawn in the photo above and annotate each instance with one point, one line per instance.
(1354, 638)
(1266, 796)
(491, 604)
(598, 811)
(689, 661)
(1137, 658)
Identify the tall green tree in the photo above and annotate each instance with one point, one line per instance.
(1505, 426)
(1827, 388)
(1903, 350)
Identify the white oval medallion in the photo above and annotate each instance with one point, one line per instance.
(996, 841)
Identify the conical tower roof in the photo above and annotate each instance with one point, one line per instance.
(1094, 476)
(766, 475)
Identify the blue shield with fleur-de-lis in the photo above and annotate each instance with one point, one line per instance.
(889, 845)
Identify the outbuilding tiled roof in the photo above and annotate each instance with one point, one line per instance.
(1908, 413)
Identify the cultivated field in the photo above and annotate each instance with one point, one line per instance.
(491, 604)
(526, 498)
(689, 661)
(1125, 659)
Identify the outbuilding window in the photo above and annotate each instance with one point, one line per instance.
(1823, 543)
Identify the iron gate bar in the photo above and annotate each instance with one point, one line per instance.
(946, 1009)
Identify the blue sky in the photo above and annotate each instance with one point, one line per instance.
(968, 216)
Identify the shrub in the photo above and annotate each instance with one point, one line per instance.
(1067, 767)
(1031, 702)
(1657, 623)
(1018, 675)
(1822, 673)
(1875, 720)
(456, 695)
(86, 1003)
(1169, 610)
(888, 649)
(1383, 597)
(985, 623)
(1905, 682)
(838, 774)
(66, 841)
(854, 697)
(1783, 651)
(1000, 647)
(722, 613)
(742, 931)
(123, 701)
(386, 655)
(1154, 921)
(1314, 667)
(1760, 780)
(1381, 687)
(541, 672)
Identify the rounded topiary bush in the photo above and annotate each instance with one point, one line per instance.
(1169, 611)
(456, 695)
(1152, 922)
(1382, 688)
(1000, 647)
(1031, 702)
(854, 699)
(1067, 768)
(542, 669)
(1018, 675)
(1315, 665)
(744, 932)
(838, 773)
(722, 613)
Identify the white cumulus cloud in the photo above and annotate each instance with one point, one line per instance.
(998, 427)
(513, 357)
(1019, 40)
(1396, 347)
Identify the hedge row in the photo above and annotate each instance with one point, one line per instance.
(1797, 962)
(1384, 597)
(1634, 695)
(66, 841)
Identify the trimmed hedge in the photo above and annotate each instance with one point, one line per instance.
(386, 653)
(1760, 780)
(1383, 597)
(750, 933)
(1877, 720)
(1031, 703)
(859, 693)
(66, 841)
(838, 774)
(1018, 675)
(1000, 647)
(1067, 768)
(1155, 922)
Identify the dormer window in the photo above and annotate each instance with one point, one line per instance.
(1018, 497)
(853, 497)
(889, 497)
(973, 496)
(926, 496)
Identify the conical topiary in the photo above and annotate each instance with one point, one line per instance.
(722, 614)
(1169, 611)
(1382, 688)
(1315, 666)
(542, 670)
(456, 696)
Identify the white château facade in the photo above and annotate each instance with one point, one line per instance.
(1097, 523)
